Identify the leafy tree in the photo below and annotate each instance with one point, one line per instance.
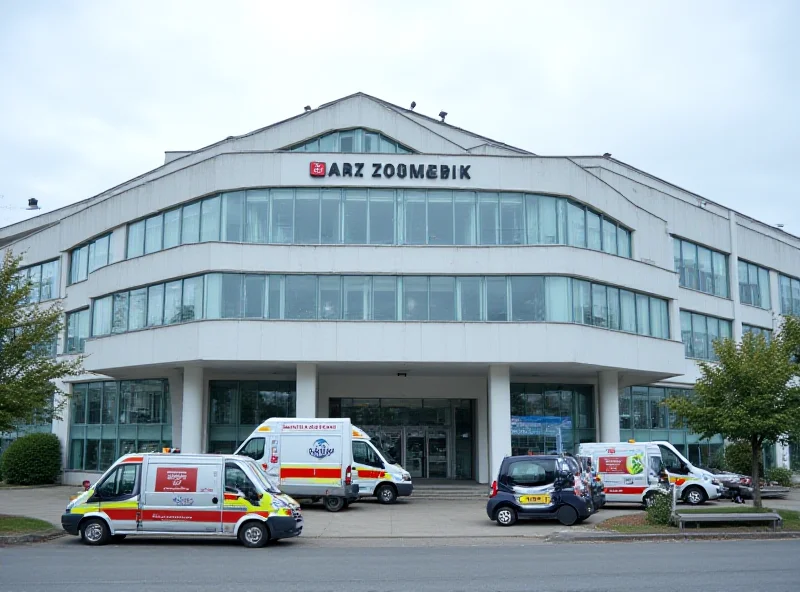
(27, 365)
(751, 395)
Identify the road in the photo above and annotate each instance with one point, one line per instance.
(361, 566)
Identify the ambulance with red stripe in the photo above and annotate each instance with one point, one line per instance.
(309, 458)
(183, 494)
(377, 473)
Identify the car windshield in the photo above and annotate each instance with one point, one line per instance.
(264, 479)
(533, 472)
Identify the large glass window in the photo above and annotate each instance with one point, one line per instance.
(700, 268)
(135, 239)
(44, 281)
(101, 316)
(353, 140)
(766, 333)
(153, 234)
(110, 419)
(306, 216)
(699, 332)
(210, 219)
(754, 285)
(381, 217)
(233, 213)
(77, 331)
(190, 223)
(95, 254)
(355, 217)
(172, 229)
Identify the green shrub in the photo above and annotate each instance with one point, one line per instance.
(781, 476)
(660, 512)
(739, 459)
(34, 459)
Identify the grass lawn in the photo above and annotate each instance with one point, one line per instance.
(636, 523)
(15, 525)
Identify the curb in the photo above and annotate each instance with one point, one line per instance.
(569, 537)
(36, 537)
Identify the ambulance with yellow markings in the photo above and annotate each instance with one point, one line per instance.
(377, 473)
(309, 459)
(183, 494)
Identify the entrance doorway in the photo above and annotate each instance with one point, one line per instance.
(426, 452)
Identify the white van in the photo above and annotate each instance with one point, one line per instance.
(629, 470)
(183, 494)
(377, 473)
(695, 486)
(308, 458)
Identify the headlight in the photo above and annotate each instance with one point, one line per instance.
(406, 477)
(714, 482)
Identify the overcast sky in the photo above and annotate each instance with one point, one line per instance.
(705, 95)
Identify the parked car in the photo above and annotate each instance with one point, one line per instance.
(537, 487)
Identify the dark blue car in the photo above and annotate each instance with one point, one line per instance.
(536, 487)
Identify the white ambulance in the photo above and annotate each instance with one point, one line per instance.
(308, 458)
(695, 485)
(183, 494)
(629, 470)
(377, 473)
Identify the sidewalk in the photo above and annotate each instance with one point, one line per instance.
(408, 518)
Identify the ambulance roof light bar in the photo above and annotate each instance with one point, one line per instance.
(171, 450)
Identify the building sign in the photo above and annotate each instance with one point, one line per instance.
(539, 425)
(379, 170)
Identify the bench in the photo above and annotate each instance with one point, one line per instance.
(773, 517)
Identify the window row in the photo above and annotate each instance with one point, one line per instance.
(381, 298)
(699, 333)
(767, 333)
(89, 257)
(701, 269)
(754, 285)
(352, 140)
(790, 295)
(379, 217)
(44, 279)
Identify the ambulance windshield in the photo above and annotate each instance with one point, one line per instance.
(386, 456)
(265, 480)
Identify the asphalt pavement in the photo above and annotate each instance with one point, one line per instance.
(325, 566)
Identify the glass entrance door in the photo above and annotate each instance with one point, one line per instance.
(437, 454)
(415, 452)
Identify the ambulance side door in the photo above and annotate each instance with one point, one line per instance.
(118, 496)
(367, 466)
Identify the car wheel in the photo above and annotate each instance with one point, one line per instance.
(695, 496)
(567, 515)
(253, 534)
(506, 516)
(334, 504)
(95, 532)
(386, 494)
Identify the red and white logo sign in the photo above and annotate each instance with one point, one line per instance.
(172, 480)
(317, 169)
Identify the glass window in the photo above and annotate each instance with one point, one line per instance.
(101, 316)
(416, 218)
(512, 220)
(599, 306)
(689, 275)
(443, 299)
(785, 288)
(440, 218)
(609, 237)
(357, 295)
(77, 331)
(172, 228)
(706, 277)
(94, 402)
(488, 218)
(50, 281)
(330, 306)
(676, 256)
(712, 326)
(581, 302)
(136, 239)
(659, 318)
(724, 329)
(795, 296)
(381, 217)
(700, 336)
(576, 228)
(470, 305)
(527, 298)
(255, 287)
(384, 298)
(153, 229)
(109, 414)
(275, 300)
(496, 299)
(355, 217)
(627, 305)
(744, 285)
(190, 223)
(623, 242)
(720, 274)
(282, 215)
(465, 221)
(210, 219)
(35, 277)
(253, 222)
(763, 289)
(415, 298)
(548, 220)
(559, 302)
(301, 297)
(327, 143)
(98, 253)
(346, 141)
(306, 217)
(331, 220)
(119, 323)
(642, 314)
(192, 307)
(79, 262)
(372, 142)
(686, 333)
(172, 302)
(231, 296)
(155, 305)
(137, 317)
(613, 308)
(532, 219)
(593, 232)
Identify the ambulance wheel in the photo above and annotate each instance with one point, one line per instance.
(253, 534)
(95, 532)
(506, 516)
(695, 496)
(386, 494)
(567, 515)
(334, 504)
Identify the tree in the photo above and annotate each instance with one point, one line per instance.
(27, 363)
(751, 395)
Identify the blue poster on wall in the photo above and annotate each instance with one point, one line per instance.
(539, 425)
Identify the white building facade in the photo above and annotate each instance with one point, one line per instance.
(460, 299)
